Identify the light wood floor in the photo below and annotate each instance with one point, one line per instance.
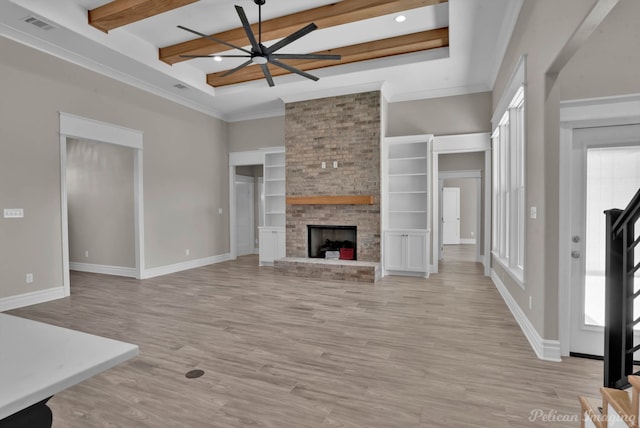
(289, 352)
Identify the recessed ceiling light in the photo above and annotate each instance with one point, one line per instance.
(217, 58)
(401, 18)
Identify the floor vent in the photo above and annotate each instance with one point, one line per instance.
(39, 23)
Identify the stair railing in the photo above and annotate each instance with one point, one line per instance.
(620, 294)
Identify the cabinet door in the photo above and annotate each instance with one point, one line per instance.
(394, 251)
(279, 244)
(416, 258)
(267, 245)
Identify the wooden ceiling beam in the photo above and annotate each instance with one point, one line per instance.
(122, 12)
(409, 43)
(339, 13)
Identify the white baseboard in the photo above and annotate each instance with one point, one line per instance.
(31, 298)
(179, 267)
(468, 241)
(548, 350)
(104, 269)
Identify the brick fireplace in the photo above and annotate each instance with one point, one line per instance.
(345, 130)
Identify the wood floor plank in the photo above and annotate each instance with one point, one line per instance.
(297, 352)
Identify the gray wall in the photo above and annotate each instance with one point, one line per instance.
(100, 203)
(463, 114)
(256, 134)
(468, 162)
(185, 166)
(468, 205)
(606, 64)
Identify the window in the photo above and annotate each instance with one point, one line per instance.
(509, 180)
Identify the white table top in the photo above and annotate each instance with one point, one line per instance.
(38, 360)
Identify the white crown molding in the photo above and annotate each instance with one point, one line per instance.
(439, 93)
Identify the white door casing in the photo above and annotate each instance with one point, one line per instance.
(576, 114)
(587, 281)
(245, 225)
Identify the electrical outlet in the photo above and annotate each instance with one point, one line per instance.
(86, 253)
(187, 252)
(323, 165)
(13, 213)
(335, 164)
(220, 211)
(29, 278)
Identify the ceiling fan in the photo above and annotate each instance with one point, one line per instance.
(261, 54)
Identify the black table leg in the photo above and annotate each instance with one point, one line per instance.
(35, 416)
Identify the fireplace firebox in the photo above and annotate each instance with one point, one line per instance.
(337, 242)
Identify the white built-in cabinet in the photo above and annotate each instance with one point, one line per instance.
(405, 204)
(272, 234)
(272, 244)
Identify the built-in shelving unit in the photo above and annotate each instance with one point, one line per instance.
(274, 189)
(407, 168)
(405, 207)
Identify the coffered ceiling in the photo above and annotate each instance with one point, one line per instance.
(442, 48)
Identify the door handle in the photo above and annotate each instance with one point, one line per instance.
(576, 254)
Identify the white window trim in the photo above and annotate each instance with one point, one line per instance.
(509, 181)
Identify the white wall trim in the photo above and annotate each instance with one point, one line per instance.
(33, 298)
(518, 78)
(129, 272)
(101, 132)
(249, 157)
(575, 114)
(190, 264)
(548, 350)
(72, 126)
(462, 143)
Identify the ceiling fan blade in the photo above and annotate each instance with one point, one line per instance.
(247, 29)
(293, 69)
(267, 74)
(213, 56)
(305, 56)
(233, 70)
(292, 38)
(222, 42)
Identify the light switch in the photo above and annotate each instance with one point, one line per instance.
(220, 211)
(323, 165)
(534, 213)
(335, 164)
(13, 213)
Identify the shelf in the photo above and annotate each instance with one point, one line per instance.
(409, 158)
(409, 192)
(413, 174)
(330, 200)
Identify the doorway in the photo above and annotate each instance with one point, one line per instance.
(599, 113)
(605, 174)
(72, 126)
(248, 190)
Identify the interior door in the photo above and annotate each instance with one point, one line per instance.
(605, 171)
(450, 215)
(244, 215)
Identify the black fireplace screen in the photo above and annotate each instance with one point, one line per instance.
(332, 242)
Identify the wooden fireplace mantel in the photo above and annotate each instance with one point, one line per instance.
(330, 200)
